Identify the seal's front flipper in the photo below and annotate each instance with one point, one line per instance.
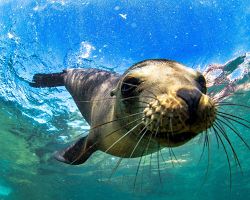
(77, 153)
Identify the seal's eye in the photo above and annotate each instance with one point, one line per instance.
(129, 87)
(202, 82)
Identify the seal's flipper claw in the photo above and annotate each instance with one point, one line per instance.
(77, 153)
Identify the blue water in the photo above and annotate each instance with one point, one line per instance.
(46, 36)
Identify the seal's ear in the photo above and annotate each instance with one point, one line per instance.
(114, 91)
(77, 153)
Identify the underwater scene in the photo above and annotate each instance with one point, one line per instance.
(49, 36)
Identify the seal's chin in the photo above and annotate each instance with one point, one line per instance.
(171, 139)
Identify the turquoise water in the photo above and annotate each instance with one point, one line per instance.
(51, 35)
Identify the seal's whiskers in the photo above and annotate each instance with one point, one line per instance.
(137, 170)
(144, 133)
(203, 148)
(113, 98)
(109, 134)
(121, 118)
(224, 134)
(223, 96)
(227, 120)
(146, 152)
(171, 151)
(224, 103)
(206, 144)
(226, 123)
(136, 126)
(232, 116)
(138, 167)
(218, 128)
(227, 156)
(158, 164)
(158, 147)
(115, 168)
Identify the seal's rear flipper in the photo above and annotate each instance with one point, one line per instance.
(77, 153)
(48, 80)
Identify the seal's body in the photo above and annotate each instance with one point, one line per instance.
(154, 104)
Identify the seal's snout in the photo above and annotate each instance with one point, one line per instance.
(192, 98)
(166, 114)
(179, 116)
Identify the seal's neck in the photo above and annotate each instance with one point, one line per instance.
(89, 88)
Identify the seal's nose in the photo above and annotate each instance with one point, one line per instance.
(192, 98)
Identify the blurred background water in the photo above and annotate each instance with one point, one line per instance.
(42, 36)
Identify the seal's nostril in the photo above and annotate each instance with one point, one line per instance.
(192, 98)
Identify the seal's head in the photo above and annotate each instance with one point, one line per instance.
(169, 98)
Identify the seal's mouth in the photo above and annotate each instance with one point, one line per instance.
(171, 139)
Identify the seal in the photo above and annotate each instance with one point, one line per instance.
(155, 104)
